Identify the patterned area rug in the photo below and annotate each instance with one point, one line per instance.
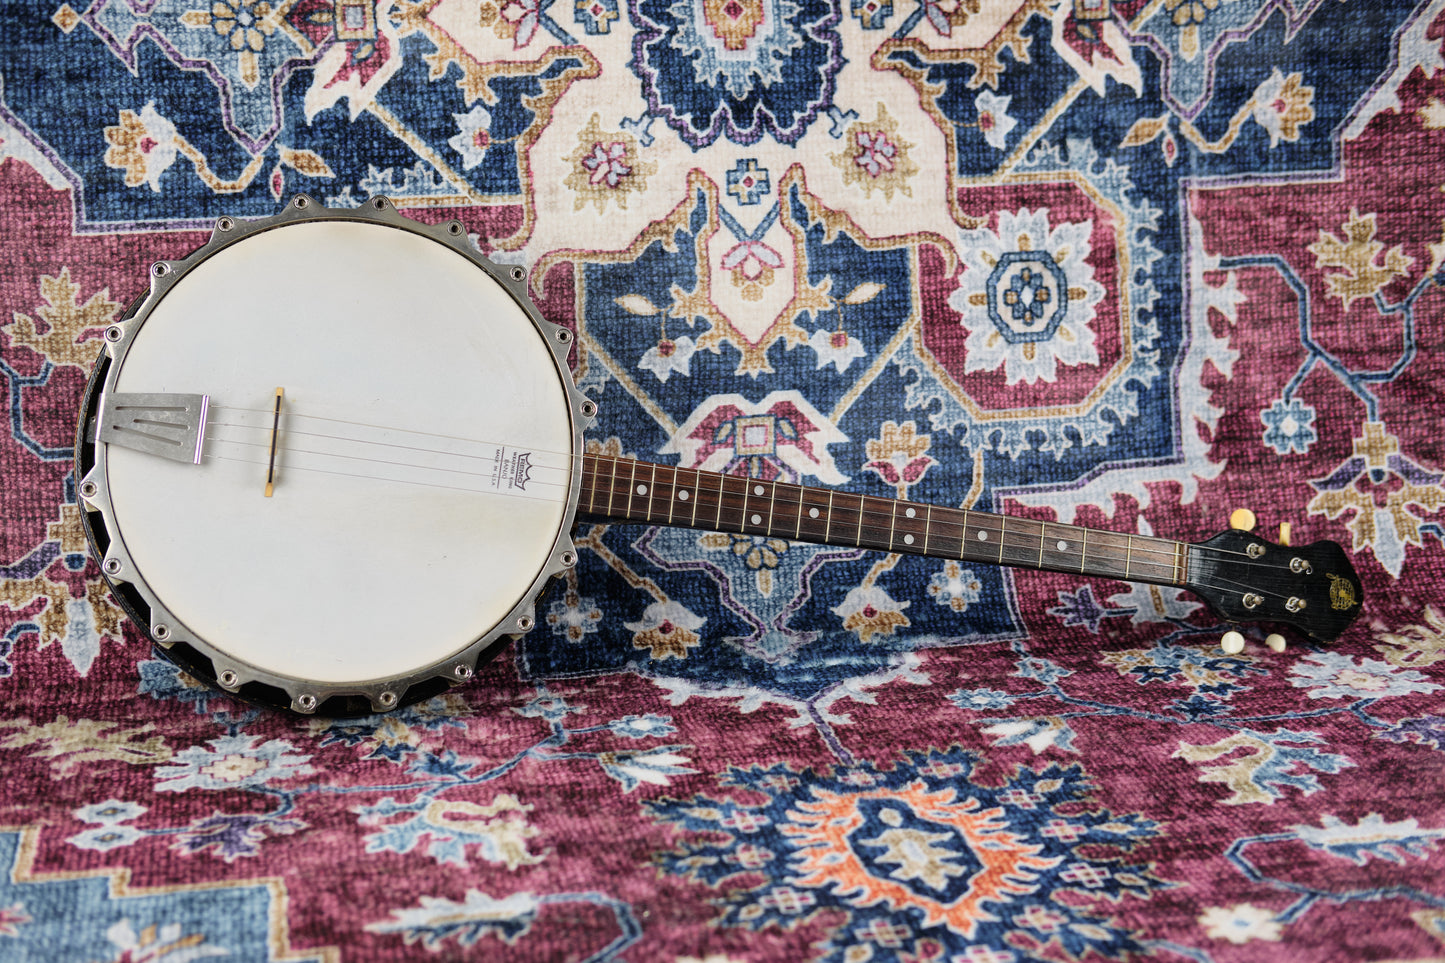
(1131, 264)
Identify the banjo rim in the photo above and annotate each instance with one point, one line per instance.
(197, 655)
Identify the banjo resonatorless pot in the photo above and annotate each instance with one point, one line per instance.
(254, 480)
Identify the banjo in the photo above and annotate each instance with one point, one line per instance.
(295, 505)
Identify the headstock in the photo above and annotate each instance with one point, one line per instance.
(1245, 578)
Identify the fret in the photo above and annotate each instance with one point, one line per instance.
(592, 494)
(798, 528)
(746, 516)
(1083, 551)
(663, 491)
(772, 499)
(631, 484)
(758, 520)
(813, 505)
(892, 525)
(612, 486)
(781, 508)
(731, 489)
(672, 496)
(1002, 537)
(1059, 545)
(751, 490)
(948, 527)
(927, 528)
(1019, 542)
(874, 537)
(651, 493)
(983, 537)
(1109, 558)
(829, 530)
(1157, 562)
(1128, 554)
(717, 523)
(694, 478)
(905, 532)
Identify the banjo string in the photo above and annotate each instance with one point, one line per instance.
(1242, 557)
(576, 460)
(292, 416)
(875, 521)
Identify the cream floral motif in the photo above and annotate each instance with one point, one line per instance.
(1415, 646)
(876, 157)
(1240, 923)
(501, 824)
(838, 348)
(606, 166)
(956, 587)
(870, 611)
(757, 552)
(232, 762)
(1027, 296)
(168, 942)
(1387, 493)
(899, 455)
(473, 135)
(1187, 15)
(70, 335)
(1282, 105)
(1364, 275)
(514, 20)
(669, 356)
(244, 25)
(70, 745)
(667, 630)
(752, 264)
(143, 145)
(993, 119)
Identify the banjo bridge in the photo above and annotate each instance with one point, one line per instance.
(158, 423)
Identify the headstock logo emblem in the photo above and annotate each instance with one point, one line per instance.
(1342, 593)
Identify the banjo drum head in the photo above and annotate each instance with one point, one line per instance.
(423, 481)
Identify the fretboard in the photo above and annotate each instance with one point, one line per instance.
(629, 490)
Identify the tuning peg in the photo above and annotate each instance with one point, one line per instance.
(1275, 641)
(1242, 519)
(1232, 642)
(1284, 533)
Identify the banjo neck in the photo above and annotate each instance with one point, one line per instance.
(636, 491)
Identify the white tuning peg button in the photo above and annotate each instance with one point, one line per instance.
(1232, 643)
(1275, 641)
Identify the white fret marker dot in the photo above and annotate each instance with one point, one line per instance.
(1063, 545)
(682, 495)
(642, 489)
(757, 489)
(909, 512)
(982, 535)
(907, 539)
(757, 519)
(812, 513)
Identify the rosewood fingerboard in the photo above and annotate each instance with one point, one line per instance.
(625, 489)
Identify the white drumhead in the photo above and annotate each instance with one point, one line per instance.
(370, 561)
